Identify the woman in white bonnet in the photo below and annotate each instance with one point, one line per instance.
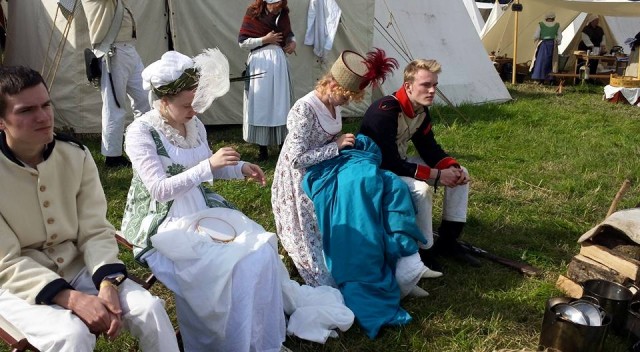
(226, 285)
(547, 37)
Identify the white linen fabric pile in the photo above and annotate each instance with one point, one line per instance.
(314, 312)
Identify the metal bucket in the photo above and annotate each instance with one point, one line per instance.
(561, 334)
(614, 299)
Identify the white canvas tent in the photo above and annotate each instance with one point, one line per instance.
(474, 13)
(617, 30)
(431, 29)
(498, 33)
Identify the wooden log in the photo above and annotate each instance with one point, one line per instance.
(582, 268)
(569, 287)
(618, 243)
(605, 257)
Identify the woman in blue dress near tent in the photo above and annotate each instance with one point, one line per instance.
(547, 36)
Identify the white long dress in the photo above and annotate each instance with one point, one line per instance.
(251, 317)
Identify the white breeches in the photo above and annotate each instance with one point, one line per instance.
(454, 207)
(56, 329)
(126, 72)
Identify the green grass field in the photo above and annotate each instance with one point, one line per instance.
(545, 169)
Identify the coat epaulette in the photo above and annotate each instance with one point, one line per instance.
(388, 103)
(69, 139)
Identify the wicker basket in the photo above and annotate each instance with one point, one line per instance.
(624, 81)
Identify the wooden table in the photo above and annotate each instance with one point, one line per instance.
(616, 60)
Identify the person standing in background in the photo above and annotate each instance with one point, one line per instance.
(547, 38)
(121, 72)
(594, 40)
(266, 33)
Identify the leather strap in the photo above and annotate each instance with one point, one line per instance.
(100, 49)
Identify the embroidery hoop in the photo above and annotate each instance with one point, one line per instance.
(211, 233)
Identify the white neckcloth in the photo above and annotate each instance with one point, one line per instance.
(327, 122)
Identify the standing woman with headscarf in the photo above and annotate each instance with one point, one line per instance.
(547, 37)
(266, 33)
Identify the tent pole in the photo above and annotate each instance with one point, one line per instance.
(515, 46)
(168, 29)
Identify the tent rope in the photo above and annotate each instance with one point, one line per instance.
(50, 74)
(46, 56)
(392, 22)
(389, 39)
(502, 35)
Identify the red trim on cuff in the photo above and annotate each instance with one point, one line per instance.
(447, 163)
(427, 129)
(422, 172)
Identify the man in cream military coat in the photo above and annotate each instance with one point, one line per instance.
(58, 254)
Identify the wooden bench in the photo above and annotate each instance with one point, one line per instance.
(18, 342)
(14, 338)
(145, 282)
(575, 76)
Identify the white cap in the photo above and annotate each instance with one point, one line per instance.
(271, 1)
(169, 68)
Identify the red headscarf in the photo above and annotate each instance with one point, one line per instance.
(257, 27)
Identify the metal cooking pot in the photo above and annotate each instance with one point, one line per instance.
(614, 299)
(633, 319)
(560, 333)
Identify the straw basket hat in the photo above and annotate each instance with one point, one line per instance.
(349, 70)
(354, 72)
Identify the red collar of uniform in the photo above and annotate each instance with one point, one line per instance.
(405, 103)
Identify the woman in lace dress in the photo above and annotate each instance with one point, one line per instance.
(228, 293)
(315, 125)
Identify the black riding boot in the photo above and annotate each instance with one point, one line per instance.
(264, 153)
(428, 258)
(447, 243)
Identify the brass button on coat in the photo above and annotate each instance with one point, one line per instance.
(50, 221)
(54, 236)
(46, 204)
(60, 260)
(43, 188)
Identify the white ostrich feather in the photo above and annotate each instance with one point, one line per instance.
(213, 68)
